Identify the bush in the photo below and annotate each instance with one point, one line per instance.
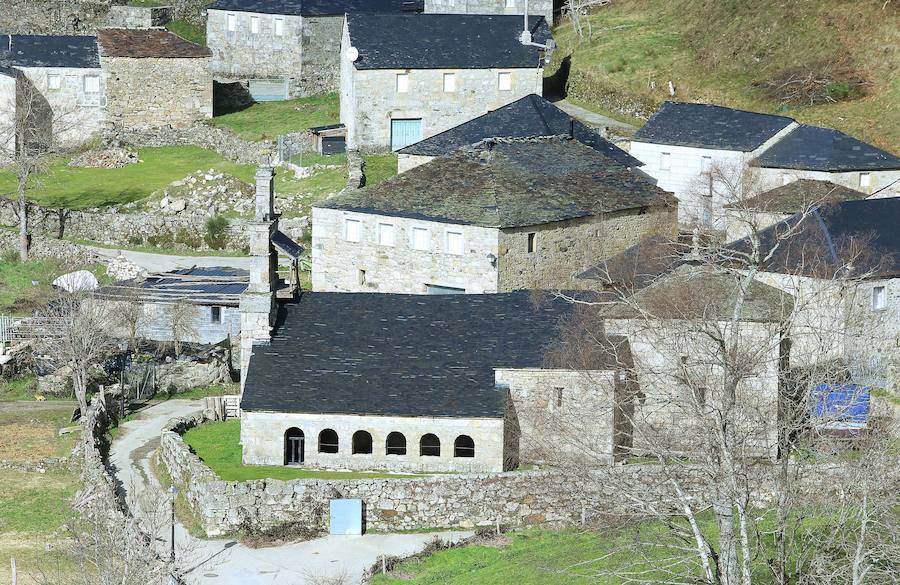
(216, 232)
(9, 256)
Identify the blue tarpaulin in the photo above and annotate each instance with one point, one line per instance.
(841, 406)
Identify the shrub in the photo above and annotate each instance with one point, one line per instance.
(9, 256)
(216, 232)
(187, 238)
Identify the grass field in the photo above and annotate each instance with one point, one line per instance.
(726, 51)
(217, 444)
(267, 120)
(29, 430)
(379, 167)
(26, 286)
(186, 30)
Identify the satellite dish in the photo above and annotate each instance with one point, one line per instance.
(352, 54)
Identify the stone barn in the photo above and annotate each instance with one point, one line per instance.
(442, 383)
(504, 215)
(55, 82)
(405, 77)
(154, 78)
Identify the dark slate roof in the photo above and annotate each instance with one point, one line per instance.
(204, 286)
(797, 195)
(811, 148)
(509, 183)
(400, 355)
(437, 41)
(49, 51)
(311, 7)
(531, 115)
(637, 266)
(288, 246)
(709, 126)
(148, 43)
(863, 233)
(689, 292)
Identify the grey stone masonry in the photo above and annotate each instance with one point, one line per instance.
(139, 16)
(542, 7)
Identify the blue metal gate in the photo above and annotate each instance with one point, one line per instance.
(405, 132)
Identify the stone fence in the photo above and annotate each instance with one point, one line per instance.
(43, 247)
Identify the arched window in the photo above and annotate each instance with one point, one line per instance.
(328, 441)
(464, 446)
(430, 446)
(396, 444)
(293, 446)
(362, 442)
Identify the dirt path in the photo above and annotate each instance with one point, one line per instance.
(225, 562)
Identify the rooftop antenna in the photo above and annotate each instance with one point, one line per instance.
(525, 38)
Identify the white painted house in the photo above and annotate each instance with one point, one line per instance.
(405, 77)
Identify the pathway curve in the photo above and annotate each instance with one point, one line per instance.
(165, 262)
(226, 562)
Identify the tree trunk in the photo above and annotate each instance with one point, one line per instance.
(23, 218)
(728, 564)
(78, 384)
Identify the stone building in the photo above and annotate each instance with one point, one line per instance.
(504, 215)
(154, 78)
(283, 49)
(526, 117)
(405, 77)
(56, 83)
(541, 7)
(409, 383)
(841, 262)
(683, 142)
(211, 293)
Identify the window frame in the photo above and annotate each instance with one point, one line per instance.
(451, 77)
(329, 446)
(231, 22)
(215, 314)
(879, 298)
(358, 223)
(430, 447)
(54, 76)
(84, 82)
(462, 242)
(393, 232)
(868, 180)
(254, 25)
(665, 161)
(531, 245)
(412, 238)
(402, 87)
(464, 451)
(397, 449)
(507, 75)
(278, 27)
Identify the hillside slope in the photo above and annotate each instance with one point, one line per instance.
(828, 62)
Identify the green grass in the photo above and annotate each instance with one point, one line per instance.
(26, 286)
(18, 388)
(29, 430)
(79, 188)
(195, 393)
(267, 120)
(217, 444)
(186, 30)
(721, 51)
(160, 249)
(379, 167)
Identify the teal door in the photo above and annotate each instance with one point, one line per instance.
(405, 132)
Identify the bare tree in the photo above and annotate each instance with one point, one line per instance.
(29, 126)
(74, 331)
(182, 321)
(131, 315)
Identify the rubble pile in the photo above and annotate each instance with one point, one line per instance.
(109, 158)
(203, 193)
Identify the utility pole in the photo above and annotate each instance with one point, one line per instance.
(173, 491)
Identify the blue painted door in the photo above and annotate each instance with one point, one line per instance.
(405, 132)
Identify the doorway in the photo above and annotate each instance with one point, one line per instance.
(293, 446)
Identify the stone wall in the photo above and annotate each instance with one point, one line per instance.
(240, 54)
(535, 7)
(150, 92)
(873, 344)
(321, 49)
(42, 247)
(139, 17)
(54, 16)
(262, 440)
(566, 248)
(886, 182)
(398, 268)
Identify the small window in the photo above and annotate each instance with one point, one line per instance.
(352, 230)
(396, 444)
(532, 242)
(54, 81)
(429, 446)
(665, 161)
(706, 164)
(455, 243)
(464, 446)
(386, 234)
(92, 84)
(328, 441)
(362, 443)
(449, 82)
(231, 22)
(279, 27)
(215, 314)
(254, 25)
(879, 298)
(510, 3)
(420, 239)
(504, 81)
(361, 277)
(402, 82)
(785, 179)
(865, 180)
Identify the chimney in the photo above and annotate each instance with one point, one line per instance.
(257, 303)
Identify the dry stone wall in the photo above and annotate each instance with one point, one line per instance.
(54, 16)
(139, 17)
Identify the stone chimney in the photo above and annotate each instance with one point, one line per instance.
(258, 301)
